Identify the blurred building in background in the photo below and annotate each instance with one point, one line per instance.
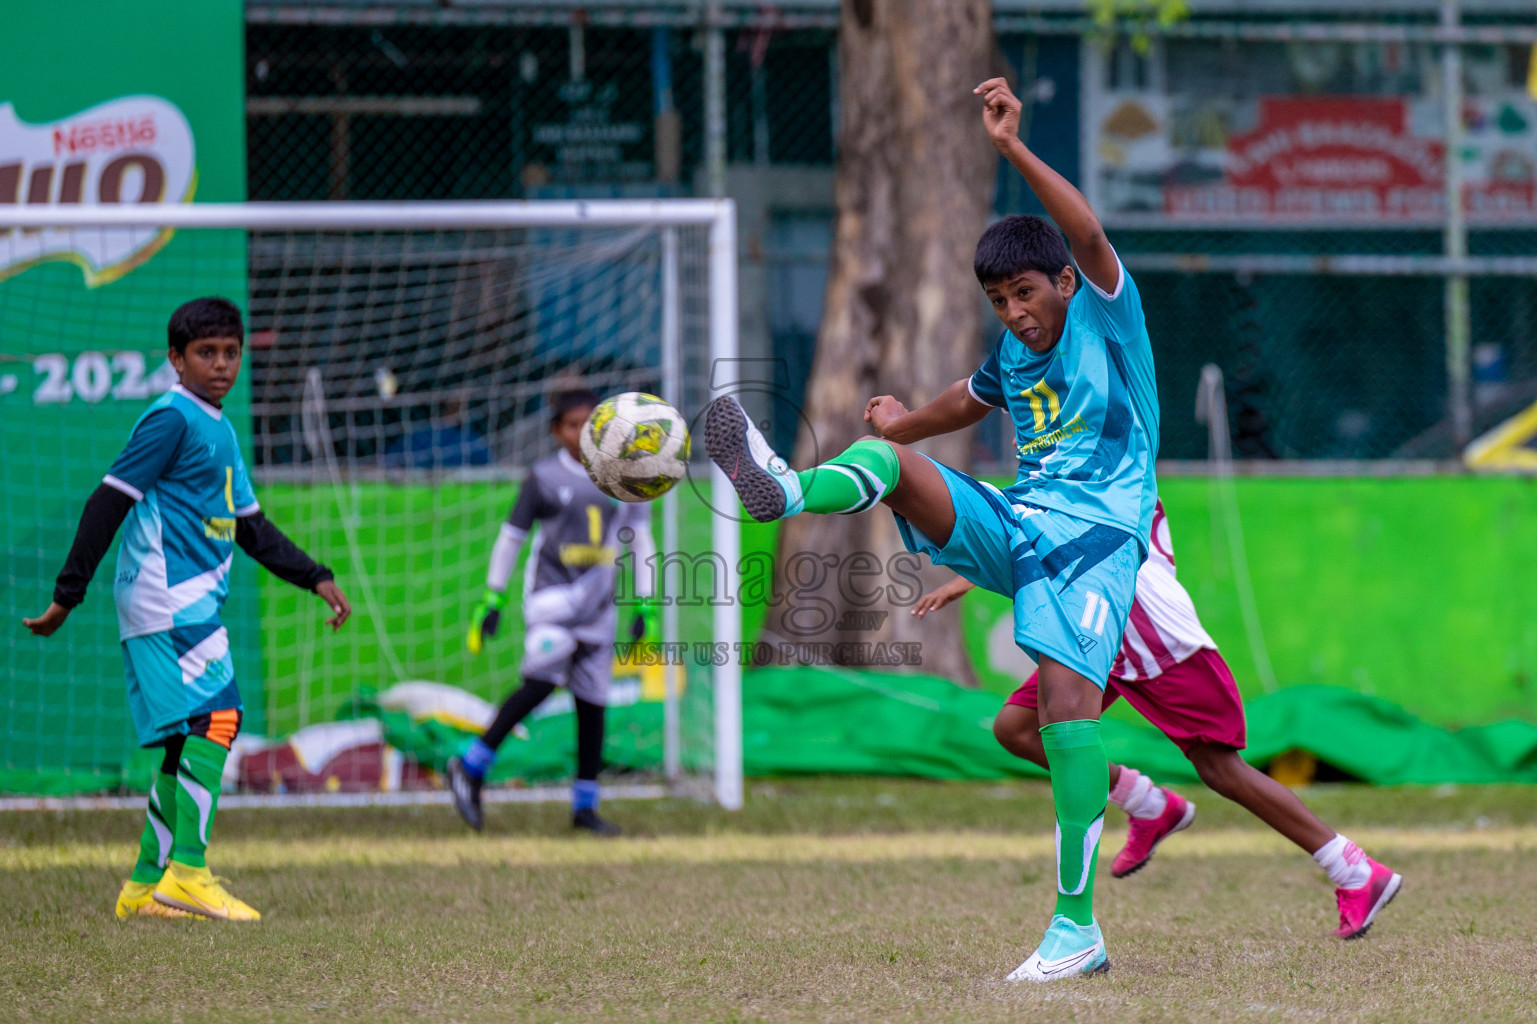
(1273, 171)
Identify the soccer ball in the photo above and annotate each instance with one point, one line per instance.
(635, 446)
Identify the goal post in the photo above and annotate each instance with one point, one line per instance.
(402, 353)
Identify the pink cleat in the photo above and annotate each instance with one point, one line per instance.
(1147, 833)
(1359, 907)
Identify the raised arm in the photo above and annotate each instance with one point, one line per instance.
(955, 409)
(1064, 204)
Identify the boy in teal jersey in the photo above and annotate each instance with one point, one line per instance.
(1074, 370)
(182, 487)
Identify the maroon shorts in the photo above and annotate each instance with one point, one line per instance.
(1195, 701)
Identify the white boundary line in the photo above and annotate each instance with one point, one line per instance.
(280, 801)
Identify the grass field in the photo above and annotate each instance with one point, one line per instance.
(867, 900)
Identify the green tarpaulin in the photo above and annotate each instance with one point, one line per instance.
(819, 721)
(801, 720)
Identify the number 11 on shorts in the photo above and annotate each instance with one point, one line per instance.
(1095, 609)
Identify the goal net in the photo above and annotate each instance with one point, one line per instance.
(399, 365)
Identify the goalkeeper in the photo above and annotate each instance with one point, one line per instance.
(569, 616)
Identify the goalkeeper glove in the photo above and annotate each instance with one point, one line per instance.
(643, 626)
(485, 619)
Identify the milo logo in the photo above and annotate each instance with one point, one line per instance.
(134, 149)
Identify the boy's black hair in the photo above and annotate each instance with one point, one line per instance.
(1017, 244)
(204, 318)
(565, 401)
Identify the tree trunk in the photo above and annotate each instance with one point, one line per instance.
(914, 186)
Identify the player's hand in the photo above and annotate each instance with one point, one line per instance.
(46, 623)
(1000, 111)
(332, 595)
(933, 602)
(641, 625)
(485, 619)
(882, 411)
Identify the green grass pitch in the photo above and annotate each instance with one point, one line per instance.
(822, 900)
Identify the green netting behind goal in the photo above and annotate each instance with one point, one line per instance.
(395, 385)
(78, 366)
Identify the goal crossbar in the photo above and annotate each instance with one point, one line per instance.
(382, 216)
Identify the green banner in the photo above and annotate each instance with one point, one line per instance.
(1416, 590)
(1396, 607)
(101, 102)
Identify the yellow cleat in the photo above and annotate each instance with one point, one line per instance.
(197, 891)
(137, 899)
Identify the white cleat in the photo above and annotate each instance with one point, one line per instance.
(1068, 951)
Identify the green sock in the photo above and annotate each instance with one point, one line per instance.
(853, 481)
(197, 798)
(1080, 785)
(159, 830)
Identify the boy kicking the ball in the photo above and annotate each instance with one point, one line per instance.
(1169, 670)
(183, 489)
(1074, 370)
(568, 609)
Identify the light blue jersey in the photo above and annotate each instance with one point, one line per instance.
(182, 467)
(1085, 414)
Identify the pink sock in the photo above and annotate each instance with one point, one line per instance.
(1135, 794)
(1344, 862)
(1123, 786)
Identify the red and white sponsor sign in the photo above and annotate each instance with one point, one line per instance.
(1322, 159)
(134, 149)
(1343, 160)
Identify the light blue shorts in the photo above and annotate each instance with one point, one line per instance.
(175, 675)
(1072, 581)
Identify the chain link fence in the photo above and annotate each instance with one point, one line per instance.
(1310, 267)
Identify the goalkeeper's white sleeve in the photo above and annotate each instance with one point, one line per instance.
(504, 556)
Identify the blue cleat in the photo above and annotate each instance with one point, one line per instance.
(1067, 951)
(465, 789)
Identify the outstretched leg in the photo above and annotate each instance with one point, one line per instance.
(1153, 815)
(868, 472)
(1227, 774)
(467, 774)
(1362, 886)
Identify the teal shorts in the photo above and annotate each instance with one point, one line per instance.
(1072, 581)
(175, 675)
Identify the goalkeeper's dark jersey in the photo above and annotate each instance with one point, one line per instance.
(570, 575)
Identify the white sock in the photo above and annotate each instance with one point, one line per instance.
(1135, 794)
(1344, 862)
